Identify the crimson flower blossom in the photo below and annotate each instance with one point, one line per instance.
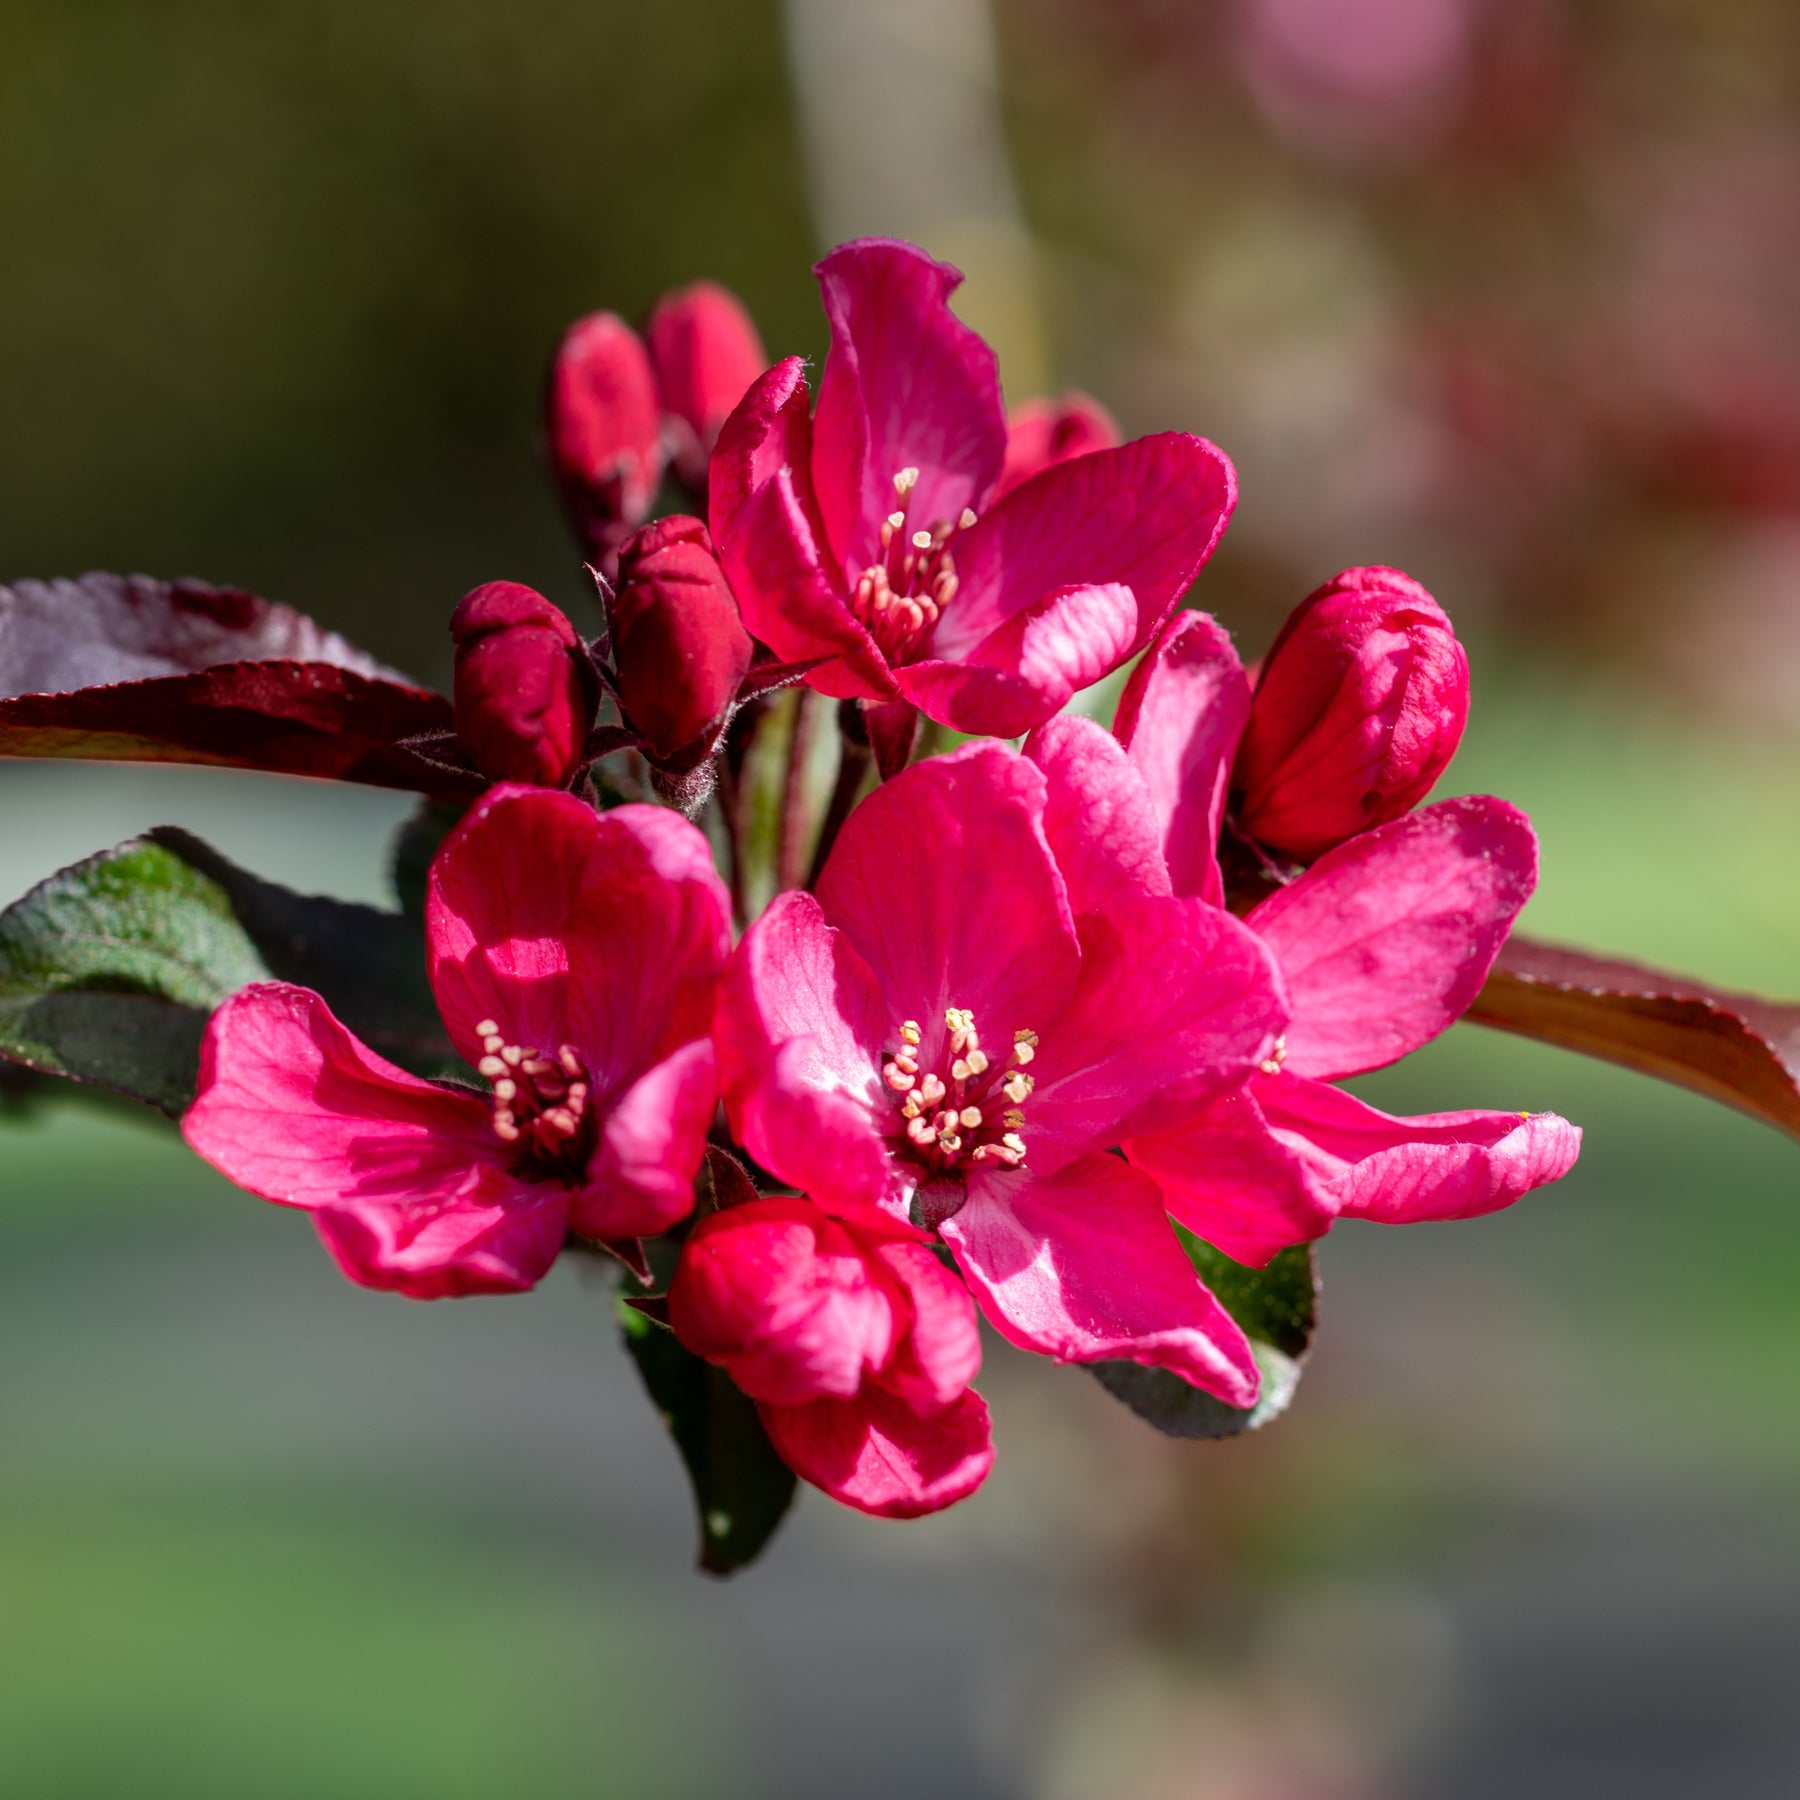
(1383, 942)
(856, 1343)
(573, 956)
(981, 1002)
(868, 533)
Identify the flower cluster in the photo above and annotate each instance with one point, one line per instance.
(1042, 1008)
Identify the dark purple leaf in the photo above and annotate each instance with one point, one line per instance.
(1731, 1047)
(124, 668)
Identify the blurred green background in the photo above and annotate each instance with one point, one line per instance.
(1504, 293)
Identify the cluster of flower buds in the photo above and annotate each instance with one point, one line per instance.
(622, 408)
(1020, 1016)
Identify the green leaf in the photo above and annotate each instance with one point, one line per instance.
(1274, 1305)
(110, 969)
(368, 964)
(741, 1487)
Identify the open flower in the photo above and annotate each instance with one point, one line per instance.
(573, 956)
(856, 1343)
(984, 998)
(868, 533)
(1383, 942)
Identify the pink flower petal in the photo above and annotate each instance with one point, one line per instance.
(1177, 1002)
(1403, 1171)
(1098, 818)
(1145, 516)
(1084, 1266)
(876, 1454)
(943, 881)
(1181, 715)
(652, 1140)
(906, 385)
(941, 1354)
(782, 1297)
(800, 1028)
(431, 1251)
(420, 1198)
(1031, 664)
(602, 930)
(1229, 1179)
(822, 1139)
(1387, 939)
(769, 430)
(790, 601)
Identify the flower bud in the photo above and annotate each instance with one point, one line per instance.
(678, 645)
(706, 354)
(1358, 710)
(1042, 433)
(604, 428)
(523, 700)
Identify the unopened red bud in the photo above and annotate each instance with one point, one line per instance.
(1042, 433)
(1360, 706)
(680, 649)
(523, 702)
(706, 354)
(604, 427)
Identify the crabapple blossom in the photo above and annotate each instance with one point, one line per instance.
(573, 956)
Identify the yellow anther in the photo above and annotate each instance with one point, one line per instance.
(909, 1032)
(969, 1116)
(1017, 1087)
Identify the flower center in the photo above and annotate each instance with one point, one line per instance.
(959, 1109)
(541, 1103)
(899, 599)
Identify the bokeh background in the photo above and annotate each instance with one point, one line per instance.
(1505, 291)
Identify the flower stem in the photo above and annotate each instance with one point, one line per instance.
(853, 769)
(790, 854)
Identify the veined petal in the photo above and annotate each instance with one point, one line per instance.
(769, 430)
(791, 602)
(1177, 1003)
(420, 1198)
(652, 1139)
(1230, 1179)
(1084, 1266)
(1145, 516)
(907, 385)
(1098, 816)
(1386, 940)
(943, 881)
(602, 930)
(1402, 1171)
(876, 1454)
(1030, 665)
(1181, 716)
